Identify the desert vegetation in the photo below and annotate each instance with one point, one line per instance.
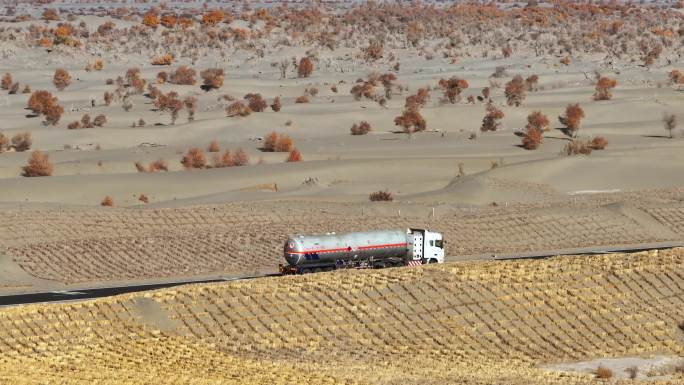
(38, 165)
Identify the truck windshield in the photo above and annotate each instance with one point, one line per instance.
(438, 243)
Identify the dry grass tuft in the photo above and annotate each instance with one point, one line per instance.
(380, 196)
(107, 201)
(603, 373)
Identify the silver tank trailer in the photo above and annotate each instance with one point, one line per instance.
(328, 249)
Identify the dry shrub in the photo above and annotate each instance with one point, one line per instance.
(85, 121)
(578, 147)
(491, 120)
(360, 129)
(669, 122)
(224, 160)
(276, 106)
(675, 76)
(452, 88)
(98, 65)
(144, 199)
(163, 60)
(294, 156)
(140, 167)
(4, 142)
(532, 138)
(26, 90)
(38, 165)
(183, 75)
(141, 122)
(74, 125)
(43, 103)
(255, 102)
(633, 372)
(305, 67)
(170, 103)
(21, 141)
(61, 79)
(572, 119)
(418, 100)
(108, 96)
(212, 78)
(214, 146)
(363, 89)
(302, 99)
(237, 109)
(14, 89)
(107, 201)
(275, 142)
(603, 373)
(598, 143)
(191, 106)
(194, 158)
(380, 196)
(53, 113)
(212, 17)
(532, 82)
(565, 60)
(50, 14)
(373, 52)
(515, 91)
(100, 120)
(240, 158)
(411, 121)
(6, 81)
(150, 19)
(603, 87)
(538, 121)
(158, 165)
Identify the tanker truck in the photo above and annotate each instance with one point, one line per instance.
(369, 249)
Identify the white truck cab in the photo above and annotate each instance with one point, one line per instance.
(428, 246)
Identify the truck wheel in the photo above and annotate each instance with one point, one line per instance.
(432, 260)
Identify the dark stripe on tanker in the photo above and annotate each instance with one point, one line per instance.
(347, 249)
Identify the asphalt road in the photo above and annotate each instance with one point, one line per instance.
(86, 294)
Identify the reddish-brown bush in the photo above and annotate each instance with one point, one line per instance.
(599, 143)
(6, 82)
(168, 21)
(85, 121)
(380, 196)
(305, 67)
(53, 113)
(22, 142)
(158, 165)
(212, 78)
(194, 158)
(532, 82)
(170, 103)
(212, 17)
(74, 125)
(14, 89)
(676, 77)
(515, 91)
(363, 89)
(224, 160)
(50, 14)
(302, 99)
(240, 158)
(275, 142)
(360, 129)
(276, 106)
(107, 201)
(538, 121)
(163, 60)
(40, 101)
(604, 373)
(373, 52)
(603, 87)
(61, 79)
(411, 121)
(38, 165)
(151, 20)
(572, 119)
(183, 75)
(491, 120)
(140, 167)
(294, 156)
(108, 96)
(162, 77)
(100, 120)
(532, 138)
(452, 88)
(255, 102)
(214, 146)
(144, 199)
(237, 109)
(419, 100)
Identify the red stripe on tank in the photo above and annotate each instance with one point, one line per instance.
(347, 249)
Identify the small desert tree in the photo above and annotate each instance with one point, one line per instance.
(305, 67)
(38, 165)
(194, 158)
(255, 102)
(515, 91)
(669, 122)
(452, 88)
(212, 78)
(61, 79)
(532, 138)
(572, 119)
(603, 87)
(492, 119)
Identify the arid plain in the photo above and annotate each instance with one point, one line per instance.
(156, 142)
